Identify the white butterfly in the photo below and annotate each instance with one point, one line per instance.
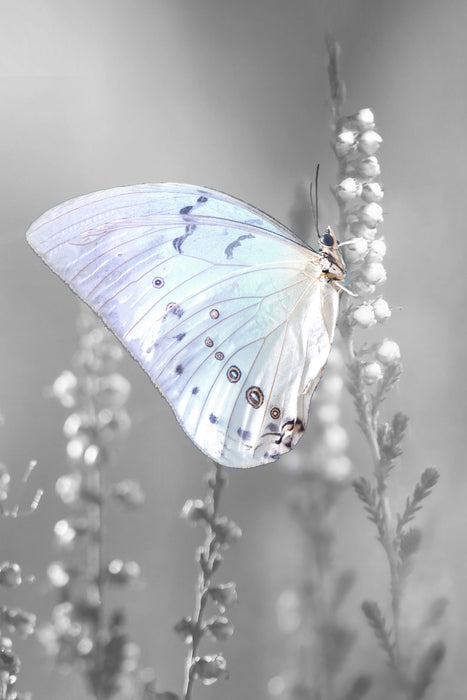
(230, 313)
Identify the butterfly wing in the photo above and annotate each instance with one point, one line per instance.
(225, 309)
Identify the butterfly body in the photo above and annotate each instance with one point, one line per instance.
(230, 314)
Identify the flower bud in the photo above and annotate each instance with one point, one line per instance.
(225, 594)
(123, 572)
(355, 250)
(209, 668)
(194, 510)
(364, 316)
(381, 309)
(371, 214)
(129, 492)
(65, 534)
(359, 229)
(331, 388)
(226, 530)
(58, 575)
(369, 142)
(377, 250)
(338, 468)
(327, 413)
(93, 455)
(10, 574)
(345, 143)
(335, 439)
(349, 189)
(374, 273)
(372, 372)
(362, 288)
(220, 628)
(388, 352)
(364, 119)
(75, 447)
(65, 389)
(372, 192)
(369, 167)
(68, 488)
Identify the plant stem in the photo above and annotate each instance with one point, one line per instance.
(204, 580)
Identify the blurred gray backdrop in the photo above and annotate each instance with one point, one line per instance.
(234, 95)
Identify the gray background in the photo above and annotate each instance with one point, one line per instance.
(233, 95)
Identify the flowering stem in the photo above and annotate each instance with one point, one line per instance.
(208, 552)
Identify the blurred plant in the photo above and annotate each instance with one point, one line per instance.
(310, 615)
(374, 369)
(220, 534)
(80, 635)
(13, 620)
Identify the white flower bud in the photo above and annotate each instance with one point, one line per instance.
(369, 167)
(363, 289)
(372, 192)
(371, 214)
(364, 316)
(381, 309)
(331, 389)
(365, 119)
(377, 250)
(349, 189)
(359, 229)
(369, 142)
(335, 439)
(345, 143)
(327, 413)
(372, 372)
(355, 250)
(388, 352)
(338, 468)
(374, 273)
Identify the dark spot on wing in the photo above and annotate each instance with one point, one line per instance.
(179, 369)
(202, 199)
(180, 336)
(235, 244)
(244, 434)
(178, 242)
(195, 390)
(213, 418)
(186, 210)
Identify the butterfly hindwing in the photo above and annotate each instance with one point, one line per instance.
(225, 309)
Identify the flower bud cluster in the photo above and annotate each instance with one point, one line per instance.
(221, 532)
(96, 395)
(359, 195)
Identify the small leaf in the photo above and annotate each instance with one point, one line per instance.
(359, 688)
(377, 622)
(426, 669)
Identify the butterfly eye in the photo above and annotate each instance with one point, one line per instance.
(328, 240)
(158, 282)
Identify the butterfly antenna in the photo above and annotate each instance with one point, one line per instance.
(314, 203)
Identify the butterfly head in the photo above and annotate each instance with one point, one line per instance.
(332, 263)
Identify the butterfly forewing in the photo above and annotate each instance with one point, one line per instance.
(225, 309)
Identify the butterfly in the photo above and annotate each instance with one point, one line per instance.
(230, 313)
